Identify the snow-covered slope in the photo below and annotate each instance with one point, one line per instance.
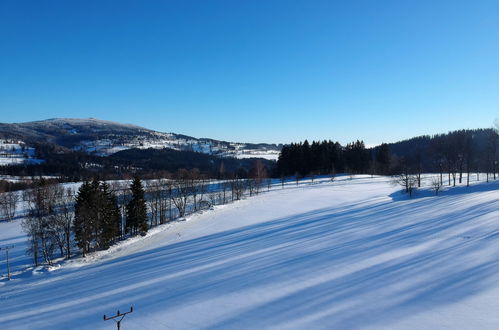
(103, 138)
(344, 255)
(13, 152)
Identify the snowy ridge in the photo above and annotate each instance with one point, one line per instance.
(83, 121)
(103, 138)
(156, 140)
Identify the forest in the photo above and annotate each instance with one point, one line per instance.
(454, 153)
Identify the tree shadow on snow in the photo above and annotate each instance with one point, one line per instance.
(446, 191)
(342, 267)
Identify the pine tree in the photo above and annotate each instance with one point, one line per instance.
(110, 219)
(84, 213)
(96, 221)
(136, 209)
(383, 158)
(97, 217)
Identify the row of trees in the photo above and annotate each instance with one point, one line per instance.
(328, 157)
(97, 221)
(48, 222)
(189, 190)
(99, 214)
(8, 205)
(58, 219)
(100, 220)
(454, 154)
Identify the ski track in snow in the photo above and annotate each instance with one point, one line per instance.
(351, 254)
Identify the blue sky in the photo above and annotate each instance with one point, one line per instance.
(255, 71)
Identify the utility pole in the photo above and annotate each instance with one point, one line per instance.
(7, 248)
(118, 315)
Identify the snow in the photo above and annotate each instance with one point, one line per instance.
(269, 154)
(16, 153)
(157, 140)
(349, 254)
(15, 178)
(104, 138)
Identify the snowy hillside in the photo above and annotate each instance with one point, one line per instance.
(103, 138)
(13, 152)
(156, 140)
(349, 254)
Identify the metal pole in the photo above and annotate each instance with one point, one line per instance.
(7, 248)
(118, 314)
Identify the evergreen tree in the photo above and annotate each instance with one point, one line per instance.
(97, 217)
(110, 219)
(357, 157)
(136, 209)
(84, 213)
(383, 158)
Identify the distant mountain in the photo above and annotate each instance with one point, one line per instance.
(104, 138)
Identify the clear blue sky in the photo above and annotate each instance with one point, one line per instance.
(255, 71)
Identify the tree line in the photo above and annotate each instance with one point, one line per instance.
(453, 154)
(61, 221)
(75, 166)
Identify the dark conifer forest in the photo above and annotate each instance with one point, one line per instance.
(455, 152)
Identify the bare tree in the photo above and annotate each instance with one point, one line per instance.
(122, 191)
(225, 187)
(269, 183)
(237, 186)
(407, 181)
(167, 200)
(153, 192)
(181, 190)
(62, 219)
(252, 186)
(37, 223)
(8, 205)
(259, 173)
(198, 186)
(164, 199)
(212, 197)
(436, 185)
(418, 159)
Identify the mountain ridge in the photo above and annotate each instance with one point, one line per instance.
(104, 138)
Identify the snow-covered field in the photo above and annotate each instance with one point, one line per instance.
(268, 154)
(16, 153)
(343, 255)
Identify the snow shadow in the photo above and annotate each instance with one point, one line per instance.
(366, 263)
(446, 191)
